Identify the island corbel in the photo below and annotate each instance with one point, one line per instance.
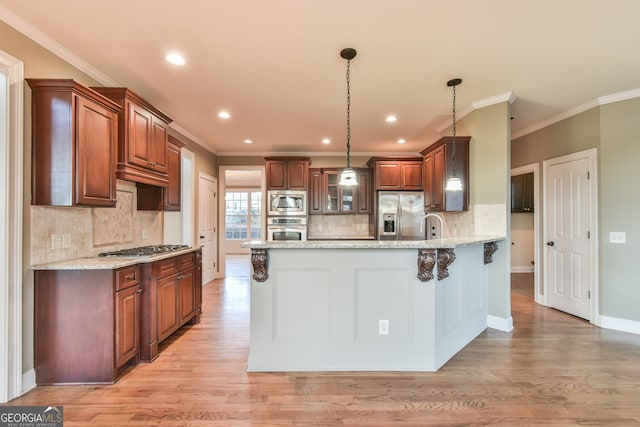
(445, 258)
(259, 259)
(426, 262)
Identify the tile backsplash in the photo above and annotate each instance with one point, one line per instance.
(338, 226)
(62, 233)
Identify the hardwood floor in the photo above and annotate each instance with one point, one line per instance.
(553, 369)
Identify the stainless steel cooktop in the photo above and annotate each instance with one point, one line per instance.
(144, 251)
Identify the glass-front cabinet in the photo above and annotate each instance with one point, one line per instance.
(339, 198)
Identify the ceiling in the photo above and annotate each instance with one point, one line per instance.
(275, 65)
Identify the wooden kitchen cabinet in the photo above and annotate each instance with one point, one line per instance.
(74, 142)
(170, 300)
(86, 324)
(522, 193)
(154, 198)
(438, 167)
(142, 138)
(328, 197)
(287, 173)
(397, 173)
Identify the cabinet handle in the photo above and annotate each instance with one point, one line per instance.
(180, 276)
(130, 277)
(139, 291)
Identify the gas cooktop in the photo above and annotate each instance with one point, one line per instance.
(144, 250)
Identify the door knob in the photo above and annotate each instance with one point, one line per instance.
(202, 237)
(550, 243)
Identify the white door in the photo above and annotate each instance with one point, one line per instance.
(207, 225)
(568, 227)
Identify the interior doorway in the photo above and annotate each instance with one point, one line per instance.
(207, 225)
(525, 245)
(234, 179)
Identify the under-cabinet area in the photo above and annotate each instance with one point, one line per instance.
(92, 321)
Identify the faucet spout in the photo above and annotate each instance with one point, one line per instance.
(432, 215)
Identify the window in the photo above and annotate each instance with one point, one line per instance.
(243, 211)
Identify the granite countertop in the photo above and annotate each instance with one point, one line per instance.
(451, 242)
(107, 263)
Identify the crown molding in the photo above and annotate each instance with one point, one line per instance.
(603, 100)
(476, 105)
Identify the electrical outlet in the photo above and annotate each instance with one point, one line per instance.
(617, 237)
(56, 241)
(383, 327)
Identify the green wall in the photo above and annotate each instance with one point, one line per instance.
(614, 130)
(619, 208)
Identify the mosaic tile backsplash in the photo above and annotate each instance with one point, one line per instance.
(59, 234)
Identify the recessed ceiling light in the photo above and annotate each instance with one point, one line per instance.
(326, 141)
(391, 119)
(248, 141)
(224, 115)
(401, 141)
(175, 59)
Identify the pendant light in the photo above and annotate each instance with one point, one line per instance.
(348, 175)
(454, 183)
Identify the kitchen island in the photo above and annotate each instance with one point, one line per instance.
(366, 305)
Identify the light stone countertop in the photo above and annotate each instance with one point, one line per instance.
(451, 242)
(107, 263)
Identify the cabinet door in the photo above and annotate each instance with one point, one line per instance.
(276, 175)
(387, 175)
(186, 303)
(437, 189)
(127, 324)
(411, 175)
(96, 134)
(172, 192)
(316, 191)
(297, 174)
(427, 172)
(140, 125)
(364, 191)
(332, 189)
(158, 145)
(167, 306)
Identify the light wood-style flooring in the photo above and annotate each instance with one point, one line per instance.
(553, 369)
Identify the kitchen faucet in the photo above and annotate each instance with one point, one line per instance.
(422, 221)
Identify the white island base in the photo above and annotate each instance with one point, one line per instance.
(327, 306)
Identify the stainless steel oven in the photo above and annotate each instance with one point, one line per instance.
(286, 203)
(286, 228)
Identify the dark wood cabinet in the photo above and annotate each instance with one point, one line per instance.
(438, 167)
(522, 193)
(87, 324)
(396, 173)
(170, 299)
(328, 197)
(287, 173)
(74, 141)
(142, 138)
(154, 198)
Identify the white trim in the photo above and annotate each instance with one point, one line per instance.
(522, 268)
(476, 105)
(11, 252)
(28, 380)
(603, 100)
(594, 285)
(617, 324)
(539, 296)
(188, 196)
(192, 137)
(500, 323)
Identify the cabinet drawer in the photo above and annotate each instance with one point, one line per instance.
(127, 277)
(166, 267)
(186, 261)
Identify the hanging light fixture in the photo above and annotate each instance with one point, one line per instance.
(454, 183)
(348, 175)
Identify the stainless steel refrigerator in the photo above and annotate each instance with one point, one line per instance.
(399, 215)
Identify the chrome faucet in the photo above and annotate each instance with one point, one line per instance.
(423, 220)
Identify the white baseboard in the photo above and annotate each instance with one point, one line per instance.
(500, 323)
(521, 269)
(28, 380)
(622, 325)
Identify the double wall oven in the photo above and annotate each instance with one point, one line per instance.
(286, 215)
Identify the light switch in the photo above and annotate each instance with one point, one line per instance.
(617, 237)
